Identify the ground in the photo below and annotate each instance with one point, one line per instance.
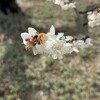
(24, 76)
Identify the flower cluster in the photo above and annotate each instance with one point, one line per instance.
(93, 18)
(65, 4)
(52, 44)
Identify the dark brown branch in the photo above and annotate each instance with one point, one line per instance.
(9, 6)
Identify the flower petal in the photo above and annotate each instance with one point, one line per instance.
(60, 35)
(52, 30)
(41, 48)
(75, 49)
(68, 38)
(25, 36)
(32, 31)
(88, 42)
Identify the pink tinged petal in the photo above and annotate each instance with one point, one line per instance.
(32, 31)
(25, 36)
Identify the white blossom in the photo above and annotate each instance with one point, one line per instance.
(83, 44)
(93, 19)
(69, 5)
(51, 34)
(55, 45)
(65, 4)
(28, 36)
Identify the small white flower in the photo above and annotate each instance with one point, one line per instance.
(79, 44)
(27, 37)
(83, 44)
(65, 4)
(93, 19)
(59, 2)
(70, 5)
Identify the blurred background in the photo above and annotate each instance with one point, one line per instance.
(24, 76)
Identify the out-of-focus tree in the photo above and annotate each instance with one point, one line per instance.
(9, 6)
